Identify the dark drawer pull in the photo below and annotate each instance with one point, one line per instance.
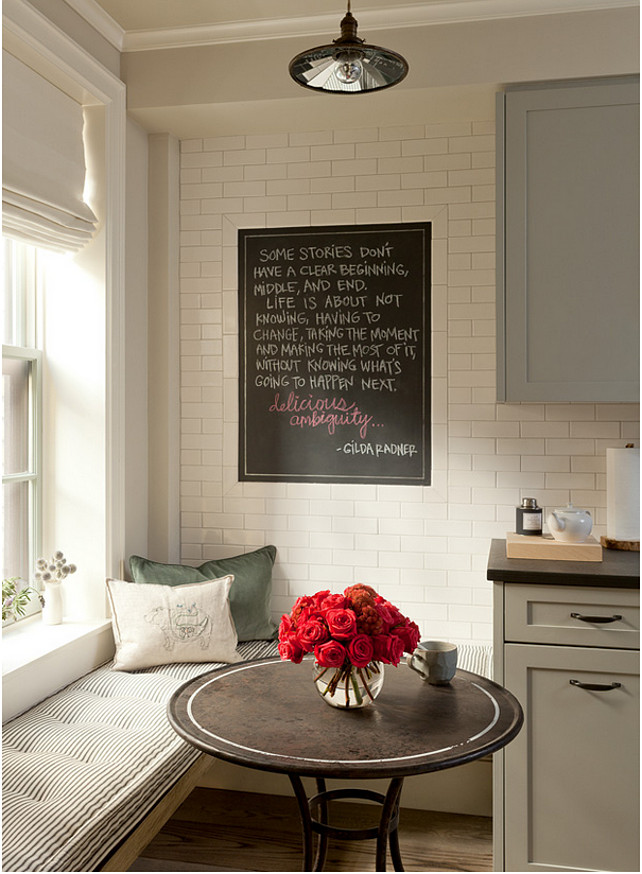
(598, 619)
(595, 687)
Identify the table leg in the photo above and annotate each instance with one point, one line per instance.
(306, 820)
(322, 846)
(389, 812)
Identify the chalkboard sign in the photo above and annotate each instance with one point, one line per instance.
(334, 354)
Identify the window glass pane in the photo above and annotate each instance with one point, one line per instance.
(15, 561)
(16, 384)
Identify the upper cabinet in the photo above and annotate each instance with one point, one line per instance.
(568, 242)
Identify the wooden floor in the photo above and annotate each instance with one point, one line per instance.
(216, 830)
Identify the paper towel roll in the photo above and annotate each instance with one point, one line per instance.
(623, 494)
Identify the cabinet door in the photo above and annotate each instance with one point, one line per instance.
(571, 776)
(568, 278)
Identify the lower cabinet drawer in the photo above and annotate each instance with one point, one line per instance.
(571, 776)
(574, 616)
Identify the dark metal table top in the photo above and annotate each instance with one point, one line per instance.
(268, 715)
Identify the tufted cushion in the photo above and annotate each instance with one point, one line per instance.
(84, 767)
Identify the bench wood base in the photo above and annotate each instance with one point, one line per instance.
(133, 845)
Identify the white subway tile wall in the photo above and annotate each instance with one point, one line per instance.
(424, 548)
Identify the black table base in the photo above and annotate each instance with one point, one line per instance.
(317, 806)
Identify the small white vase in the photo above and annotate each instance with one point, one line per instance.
(52, 610)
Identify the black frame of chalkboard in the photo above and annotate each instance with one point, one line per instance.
(417, 406)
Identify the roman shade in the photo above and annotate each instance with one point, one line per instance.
(43, 162)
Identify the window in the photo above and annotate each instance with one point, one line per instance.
(22, 416)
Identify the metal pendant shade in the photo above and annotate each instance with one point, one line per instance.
(349, 65)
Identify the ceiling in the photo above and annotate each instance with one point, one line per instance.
(153, 14)
(169, 47)
(152, 24)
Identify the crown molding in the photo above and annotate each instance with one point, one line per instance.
(415, 15)
(419, 15)
(101, 21)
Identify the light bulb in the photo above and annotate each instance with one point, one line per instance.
(349, 71)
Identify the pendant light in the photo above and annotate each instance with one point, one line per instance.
(349, 65)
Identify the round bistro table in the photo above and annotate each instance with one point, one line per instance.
(268, 715)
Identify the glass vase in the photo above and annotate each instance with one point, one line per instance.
(349, 687)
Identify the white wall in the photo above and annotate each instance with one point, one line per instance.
(424, 548)
(75, 412)
(257, 150)
(163, 396)
(136, 343)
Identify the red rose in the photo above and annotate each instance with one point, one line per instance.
(331, 654)
(312, 632)
(291, 649)
(387, 615)
(408, 634)
(333, 602)
(319, 597)
(414, 636)
(361, 650)
(388, 648)
(342, 623)
(391, 613)
(302, 608)
(302, 602)
(285, 627)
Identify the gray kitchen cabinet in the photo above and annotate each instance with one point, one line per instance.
(567, 788)
(568, 242)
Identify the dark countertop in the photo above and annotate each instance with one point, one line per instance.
(619, 569)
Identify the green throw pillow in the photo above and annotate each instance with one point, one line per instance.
(249, 595)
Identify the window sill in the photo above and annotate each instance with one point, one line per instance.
(39, 659)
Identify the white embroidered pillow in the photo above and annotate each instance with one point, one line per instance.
(159, 625)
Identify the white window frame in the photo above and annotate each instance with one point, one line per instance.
(33, 474)
(36, 662)
(45, 48)
(23, 290)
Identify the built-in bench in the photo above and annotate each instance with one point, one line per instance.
(93, 772)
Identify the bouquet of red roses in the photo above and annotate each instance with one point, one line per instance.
(353, 630)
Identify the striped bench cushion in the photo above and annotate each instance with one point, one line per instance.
(81, 769)
(476, 657)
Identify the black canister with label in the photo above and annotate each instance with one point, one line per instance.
(528, 517)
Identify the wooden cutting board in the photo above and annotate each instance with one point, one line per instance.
(546, 547)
